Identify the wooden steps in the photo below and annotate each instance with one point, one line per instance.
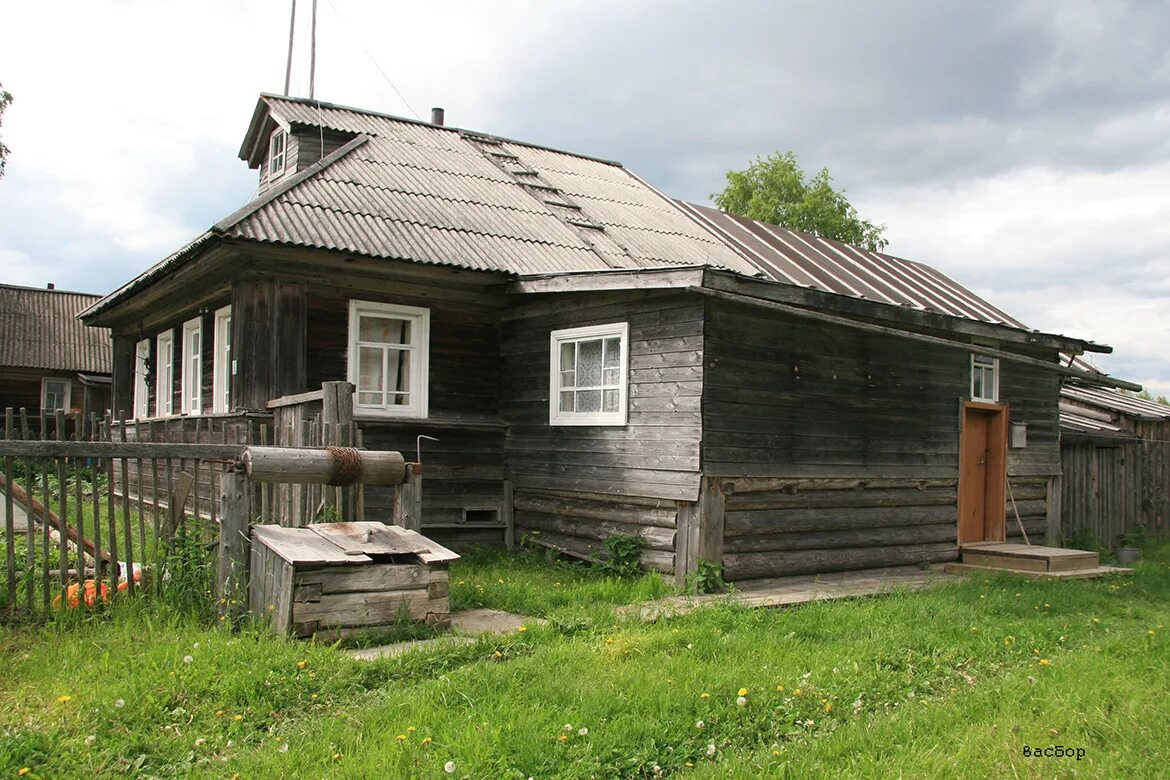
(1032, 560)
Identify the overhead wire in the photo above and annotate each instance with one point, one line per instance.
(377, 65)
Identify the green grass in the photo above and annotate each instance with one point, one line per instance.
(950, 682)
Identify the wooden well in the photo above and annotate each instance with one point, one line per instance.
(337, 579)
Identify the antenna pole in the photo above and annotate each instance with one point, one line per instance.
(292, 26)
(313, 53)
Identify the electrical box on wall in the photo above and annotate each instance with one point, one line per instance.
(1019, 438)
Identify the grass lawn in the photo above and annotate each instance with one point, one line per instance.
(951, 682)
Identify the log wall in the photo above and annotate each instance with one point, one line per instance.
(657, 454)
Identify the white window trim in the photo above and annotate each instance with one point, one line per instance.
(221, 361)
(558, 337)
(273, 171)
(141, 377)
(66, 402)
(164, 374)
(191, 394)
(994, 396)
(419, 355)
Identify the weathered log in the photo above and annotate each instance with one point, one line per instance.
(862, 537)
(746, 566)
(598, 510)
(843, 498)
(36, 510)
(594, 551)
(331, 466)
(750, 484)
(772, 521)
(655, 538)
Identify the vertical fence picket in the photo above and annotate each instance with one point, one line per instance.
(108, 435)
(30, 567)
(46, 577)
(127, 531)
(156, 524)
(263, 488)
(78, 509)
(10, 518)
(62, 511)
(96, 493)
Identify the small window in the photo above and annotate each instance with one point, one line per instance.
(55, 394)
(164, 375)
(588, 383)
(984, 378)
(142, 379)
(388, 358)
(191, 390)
(222, 362)
(276, 153)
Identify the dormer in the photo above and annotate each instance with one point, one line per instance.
(280, 143)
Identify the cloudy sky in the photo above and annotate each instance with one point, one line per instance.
(1023, 148)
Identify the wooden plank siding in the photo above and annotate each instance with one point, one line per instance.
(837, 449)
(656, 455)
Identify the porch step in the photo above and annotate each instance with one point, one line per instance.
(1028, 557)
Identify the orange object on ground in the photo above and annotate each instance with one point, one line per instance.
(74, 596)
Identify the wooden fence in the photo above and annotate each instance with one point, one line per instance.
(1111, 487)
(70, 534)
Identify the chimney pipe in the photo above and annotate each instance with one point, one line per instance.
(436, 116)
(52, 286)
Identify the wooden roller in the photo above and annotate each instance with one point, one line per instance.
(330, 466)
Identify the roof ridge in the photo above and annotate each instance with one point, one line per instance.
(450, 128)
(47, 290)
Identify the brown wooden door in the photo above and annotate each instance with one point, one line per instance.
(982, 474)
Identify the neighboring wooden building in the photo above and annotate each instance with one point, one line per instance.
(598, 358)
(49, 361)
(1116, 454)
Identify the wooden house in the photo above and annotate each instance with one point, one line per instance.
(596, 358)
(1115, 449)
(49, 361)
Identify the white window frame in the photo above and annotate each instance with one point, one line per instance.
(981, 365)
(221, 381)
(142, 379)
(191, 374)
(164, 374)
(557, 338)
(274, 156)
(418, 351)
(65, 403)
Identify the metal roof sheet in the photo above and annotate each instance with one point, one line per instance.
(443, 196)
(1117, 401)
(39, 329)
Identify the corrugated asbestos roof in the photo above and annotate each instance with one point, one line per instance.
(39, 329)
(1115, 401)
(799, 258)
(444, 196)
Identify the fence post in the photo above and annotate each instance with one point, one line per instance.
(337, 419)
(234, 546)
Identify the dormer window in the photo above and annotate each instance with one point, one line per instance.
(276, 153)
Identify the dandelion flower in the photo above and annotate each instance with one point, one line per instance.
(427, 740)
(568, 727)
(219, 713)
(200, 742)
(704, 695)
(522, 629)
(1047, 606)
(1008, 641)
(1150, 632)
(780, 688)
(401, 737)
(336, 756)
(1044, 662)
(302, 664)
(64, 699)
(700, 724)
(283, 747)
(92, 738)
(238, 718)
(1096, 620)
(689, 765)
(498, 654)
(562, 738)
(120, 703)
(710, 748)
(741, 701)
(743, 691)
(449, 767)
(828, 707)
(797, 692)
(583, 732)
(24, 770)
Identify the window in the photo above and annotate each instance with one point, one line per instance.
(55, 394)
(984, 378)
(222, 362)
(276, 153)
(142, 379)
(164, 374)
(191, 390)
(588, 375)
(388, 360)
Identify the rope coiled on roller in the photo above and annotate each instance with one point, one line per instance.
(347, 465)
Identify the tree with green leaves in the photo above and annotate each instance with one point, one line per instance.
(774, 189)
(5, 99)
